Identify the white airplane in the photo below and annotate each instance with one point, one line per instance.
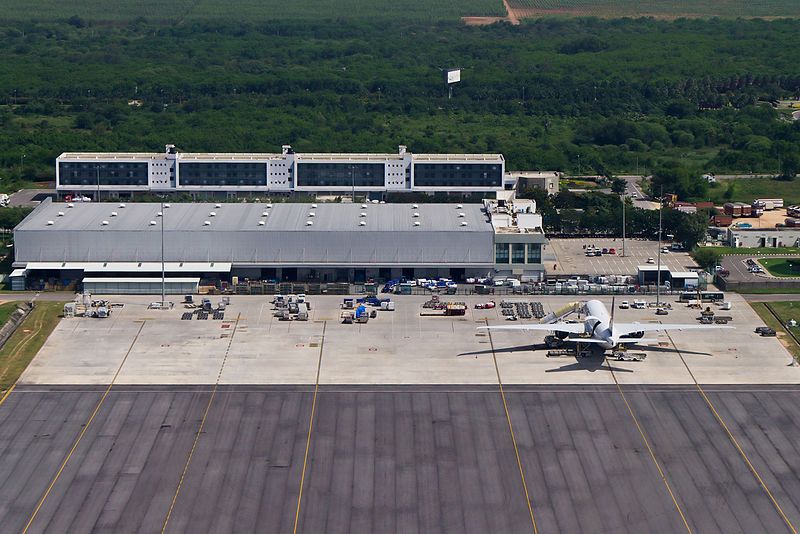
(602, 330)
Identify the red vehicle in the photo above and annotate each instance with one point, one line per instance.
(612, 251)
(485, 305)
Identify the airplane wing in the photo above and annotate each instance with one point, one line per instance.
(628, 328)
(572, 328)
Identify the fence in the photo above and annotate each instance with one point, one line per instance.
(772, 284)
(264, 288)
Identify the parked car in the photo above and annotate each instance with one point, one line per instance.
(612, 251)
(624, 305)
(471, 280)
(662, 311)
(605, 251)
(769, 332)
(651, 260)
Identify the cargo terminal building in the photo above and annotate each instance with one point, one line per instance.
(105, 176)
(121, 245)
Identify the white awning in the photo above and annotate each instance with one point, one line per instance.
(17, 273)
(131, 267)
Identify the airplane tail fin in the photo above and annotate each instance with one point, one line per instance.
(611, 319)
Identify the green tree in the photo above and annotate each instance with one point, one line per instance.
(618, 185)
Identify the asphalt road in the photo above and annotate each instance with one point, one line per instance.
(401, 459)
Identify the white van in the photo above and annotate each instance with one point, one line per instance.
(639, 304)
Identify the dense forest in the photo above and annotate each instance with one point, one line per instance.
(580, 95)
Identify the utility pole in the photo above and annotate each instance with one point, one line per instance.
(658, 274)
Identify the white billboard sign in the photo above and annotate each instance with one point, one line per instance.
(453, 76)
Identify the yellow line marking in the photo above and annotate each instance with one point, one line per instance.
(733, 439)
(200, 428)
(82, 433)
(7, 393)
(513, 437)
(310, 428)
(652, 454)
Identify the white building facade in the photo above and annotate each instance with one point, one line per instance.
(120, 175)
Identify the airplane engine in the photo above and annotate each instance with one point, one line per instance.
(561, 335)
(591, 323)
(634, 335)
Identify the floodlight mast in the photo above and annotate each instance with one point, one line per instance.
(163, 270)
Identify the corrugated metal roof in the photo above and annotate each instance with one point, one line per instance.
(205, 217)
(130, 266)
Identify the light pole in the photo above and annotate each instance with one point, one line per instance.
(97, 171)
(353, 181)
(163, 277)
(658, 273)
(623, 224)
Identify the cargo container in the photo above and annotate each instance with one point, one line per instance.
(734, 209)
(770, 203)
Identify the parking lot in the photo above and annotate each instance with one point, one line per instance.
(147, 422)
(571, 258)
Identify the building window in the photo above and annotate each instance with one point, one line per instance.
(458, 175)
(517, 252)
(501, 253)
(340, 174)
(103, 173)
(223, 174)
(534, 252)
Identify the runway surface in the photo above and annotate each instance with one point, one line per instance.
(401, 459)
